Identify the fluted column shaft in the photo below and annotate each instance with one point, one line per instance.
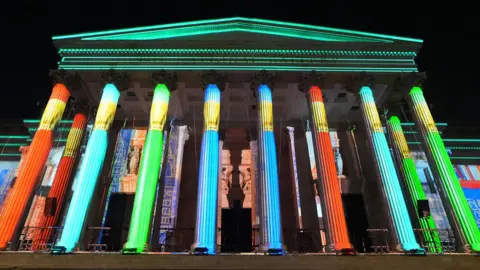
(453, 198)
(34, 163)
(329, 186)
(410, 176)
(205, 225)
(62, 179)
(391, 189)
(267, 184)
(90, 168)
(150, 162)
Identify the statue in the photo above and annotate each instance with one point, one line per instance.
(226, 183)
(134, 161)
(338, 160)
(246, 181)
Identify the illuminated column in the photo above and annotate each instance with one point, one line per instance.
(206, 221)
(398, 213)
(328, 184)
(62, 178)
(453, 198)
(34, 163)
(90, 168)
(149, 168)
(295, 185)
(409, 174)
(267, 184)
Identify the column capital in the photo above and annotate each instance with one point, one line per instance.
(69, 78)
(118, 78)
(405, 81)
(213, 77)
(311, 79)
(167, 78)
(262, 77)
(355, 82)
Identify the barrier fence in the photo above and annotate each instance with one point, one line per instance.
(179, 240)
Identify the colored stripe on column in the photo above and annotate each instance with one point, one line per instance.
(61, 181)
(334, 215)
(268, 188)
(409, 174)
(91, 166)
(206, 222)
(148, 173)
(34, 163)
(451, 191)
(390, 184)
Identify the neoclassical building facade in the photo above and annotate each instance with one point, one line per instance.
(238, 135)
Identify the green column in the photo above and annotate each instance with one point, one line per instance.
(148, 173)
(410, 176)
(456, 206)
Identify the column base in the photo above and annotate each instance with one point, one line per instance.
(201, 249)
(339, 247)
(272, 249)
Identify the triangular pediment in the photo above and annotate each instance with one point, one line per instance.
(220, 27)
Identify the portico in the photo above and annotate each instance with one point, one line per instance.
(230, 109)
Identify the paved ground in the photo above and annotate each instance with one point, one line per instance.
(18, 260)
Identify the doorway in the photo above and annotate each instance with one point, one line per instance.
(118, 219)
(357, 222)
(236, 229)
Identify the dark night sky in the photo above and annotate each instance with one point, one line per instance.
(28, 53)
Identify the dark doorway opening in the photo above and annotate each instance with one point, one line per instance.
(236, 229)
(118, 219)
(357, 222)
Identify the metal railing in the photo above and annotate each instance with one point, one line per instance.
(31, 238)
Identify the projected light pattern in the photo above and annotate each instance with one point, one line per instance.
(408, 172)
(171, 182)
(61, 181)
(149, 170)
(390, 184)
(206, 222)
(453, 198)
(295, 185)
(16, 202)
(91, 166)
(329, 186)
(267, 184)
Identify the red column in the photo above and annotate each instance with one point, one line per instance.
(34, 163)
(61, 180)
(330, 193)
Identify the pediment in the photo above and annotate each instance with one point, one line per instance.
(236, 28)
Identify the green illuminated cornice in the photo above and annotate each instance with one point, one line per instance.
(238, 24)
(237, 68)
(236, 52)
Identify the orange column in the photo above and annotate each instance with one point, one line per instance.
(61, 180)
(329, 186)
(34, 163)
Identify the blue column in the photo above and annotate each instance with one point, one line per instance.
(206, 222)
